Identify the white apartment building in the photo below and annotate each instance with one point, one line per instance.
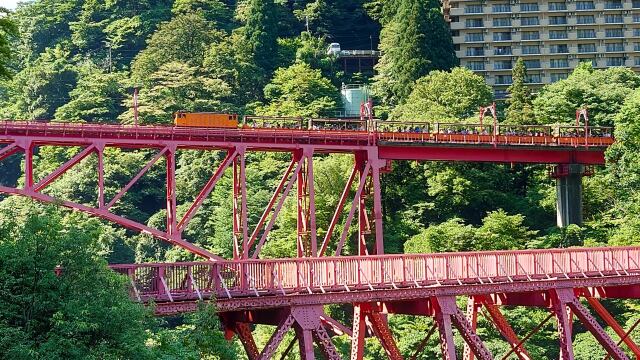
(552, 37)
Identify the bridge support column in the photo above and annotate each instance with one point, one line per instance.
(569, 193)
(363, 314)
(307, 324)
(565, 297)
(446, 314)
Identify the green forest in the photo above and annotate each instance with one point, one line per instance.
(80, 60)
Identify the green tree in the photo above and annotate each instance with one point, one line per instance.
(520, 109)
(8, 30)
(415, 42)
(623, 159)
(85, 313)
(501, 231)
(602, 91)
(260, 31)
(38, 90)
(213, 10)
(178, 86)
(300, 90)
(448, 96)
(186, 39)
(97, 97)
(449, 236)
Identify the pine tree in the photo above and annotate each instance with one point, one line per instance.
(416, 41)
(520, 110)
(261, 32)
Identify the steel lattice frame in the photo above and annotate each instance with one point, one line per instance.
(377, 291)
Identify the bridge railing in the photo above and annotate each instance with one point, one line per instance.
(174, 281)
(298, 130)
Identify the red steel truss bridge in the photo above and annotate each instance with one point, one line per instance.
(290, 293)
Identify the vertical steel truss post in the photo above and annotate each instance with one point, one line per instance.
(240, 231)
(363, 313)
(472, 316)
(305, 320)
(476, 303)
(306, 222)
(172, 222)
(565, 297)
(446, 314)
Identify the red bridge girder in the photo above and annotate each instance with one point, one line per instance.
(372, 151)
(419, 285)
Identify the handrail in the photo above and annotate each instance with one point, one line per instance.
(391, 131)
(350, 273)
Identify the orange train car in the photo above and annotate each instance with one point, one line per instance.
(206, 119)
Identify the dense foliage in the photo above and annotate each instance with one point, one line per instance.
(79, 61)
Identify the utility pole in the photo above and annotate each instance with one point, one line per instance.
(135, 106)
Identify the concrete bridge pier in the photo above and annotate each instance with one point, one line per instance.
(569, 193)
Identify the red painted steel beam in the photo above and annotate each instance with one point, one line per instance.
(65, 167)
(381, 329)
(390, 294)
(503, 154)
(9, 150)
(336, 215)
(611, 321)
(272, 202)
(206, 190)
(104, 214)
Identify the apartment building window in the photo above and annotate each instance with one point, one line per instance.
(557, 20)
(613, 4)
(502, 36)
(475, 65)
(593, 62)
(529, 21)
(530, 49)
(534, 78)
(558, 76)
(585, 5)
(559, 49)
(474, 23)
(474, 37)
(529, 7)
(615, 61)
(636, 61)
(475, 51)
(636, 32)
(586, 34)
(613, 19)
(502, 21)
(502, 50)
(530, 35)
(473, 9)
(503, 80)
(532, 64)
(501, 8)
(558, 34)
(502, 65)
(558, 63)
(613, 47)
(586, 48)
(586, 19)
(613, 33)
(636, 46)
(557, 6)
(635, 4)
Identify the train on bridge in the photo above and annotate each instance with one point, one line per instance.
(408, 131)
